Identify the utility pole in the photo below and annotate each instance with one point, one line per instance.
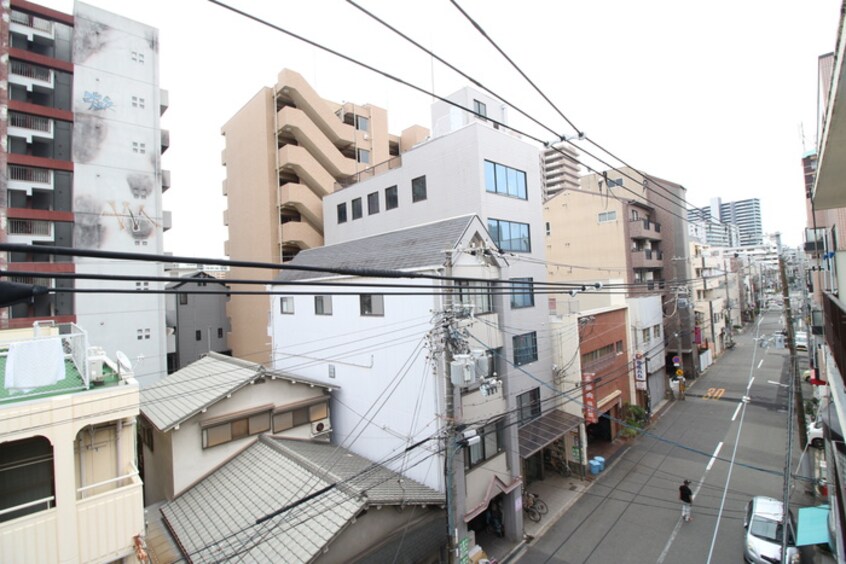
(730, 340)
(450, 438)
(791, 344)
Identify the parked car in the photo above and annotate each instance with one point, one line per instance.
(815, 434)
(764, 529)
(801, 341)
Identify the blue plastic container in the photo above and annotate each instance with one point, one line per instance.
(595, 467)
(601, 461)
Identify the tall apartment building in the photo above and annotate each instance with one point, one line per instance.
(560, 169)
(82, 152)
(745, 214)
(287, 149)
(636, 237)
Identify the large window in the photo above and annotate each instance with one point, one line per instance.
(608, 216)
(286, 304)
(27, 476)
(522, 293)
(510, 236)
(492, 443)
(363, 156)
(372, 304)
(477, 294)
(342, 213)
(236, 428)
(481, 109)
(528, 405)
(362, 123)
(500, 179)
(287, 418)
(391, 200)
(525, 348)
(373, 203)
(356, 208)
(418, 189)
(323, 305)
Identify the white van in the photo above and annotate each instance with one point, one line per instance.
(801, 341)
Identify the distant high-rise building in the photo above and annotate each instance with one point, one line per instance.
(286, 149)
(82, 168)
(745, 214)
(560, 169)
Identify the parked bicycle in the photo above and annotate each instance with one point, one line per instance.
(534, 506)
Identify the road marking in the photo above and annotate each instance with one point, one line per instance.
(675, 533)
(714, 393)
(736, 411)
(714, 456)
(760, 363)
(749, 385)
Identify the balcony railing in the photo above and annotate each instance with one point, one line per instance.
(30, 227)
(29, 70)
(27, 121)
(32, 21)
(30, 174)
(835, 331)
(367, 173)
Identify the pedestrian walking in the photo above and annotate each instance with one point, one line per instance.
(686, 497)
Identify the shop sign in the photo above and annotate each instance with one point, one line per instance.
(589, 397)
(640, 371)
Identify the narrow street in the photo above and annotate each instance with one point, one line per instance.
(631, 512)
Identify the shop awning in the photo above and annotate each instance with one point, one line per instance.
(547, 428)
(812, 527)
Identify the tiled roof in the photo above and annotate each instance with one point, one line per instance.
(188, 391)
(215, 520)
(415, 247)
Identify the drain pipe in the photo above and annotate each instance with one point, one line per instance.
(118, 432)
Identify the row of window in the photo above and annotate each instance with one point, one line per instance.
(492, 443)
(655, 331)
(602, 352)
(255, 423)
(418, 193)
(501, 179)
(510, 235)
(198, 334)
(471, 292)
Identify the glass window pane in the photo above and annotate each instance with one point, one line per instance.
(373, 203)
(501, 179)
(513, 185)
(391, 201)
(356, 208)
(490, 177)
(283, 421)
(342, 213)
(260, 423)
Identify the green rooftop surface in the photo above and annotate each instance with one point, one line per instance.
(72, 382)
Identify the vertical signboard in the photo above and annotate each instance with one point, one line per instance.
(589, 397)
(640, 371)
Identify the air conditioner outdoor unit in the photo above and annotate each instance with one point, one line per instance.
(320, 427)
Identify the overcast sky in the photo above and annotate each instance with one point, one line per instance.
(712, 95)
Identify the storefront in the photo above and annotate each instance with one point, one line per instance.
(551, 443)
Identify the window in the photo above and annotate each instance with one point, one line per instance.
(656, 331)
(286, 304)
(525, 348)
(362, 123)
(198, 335)
(138, 57)
(477, 294)
(619, 346)
(362, 156)
(522, 293)
(548, 229)
(28, 476)
(492, 443)
(323, 305)
(372, 304)
(481, 109)
(615, 182)
(289, 418)
(510, 236)
(356, 208)
(391, 200)
(342, 213)
(418, 189)
(605, 217)
(138, 102)
(635, 215)
(220, 332)
(143, 334)
(236, 428)
(500, 179)
(373, 203)
(183, 299)
(528, 405)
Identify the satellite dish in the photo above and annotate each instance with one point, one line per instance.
(124, 364)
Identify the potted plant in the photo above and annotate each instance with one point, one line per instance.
(635, 419)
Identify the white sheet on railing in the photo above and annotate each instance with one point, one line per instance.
(34, 364)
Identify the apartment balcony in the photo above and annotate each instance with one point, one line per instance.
(35, 28)
(300, 234)
(294, 123)
(834, 311)
(165, 140)
(27, 126)
(164, 101)
(28, 231)
(166, 181)
(300, 162)
(306, 202)
(167, 220)
(34, 78)
(27, 178)
(644, 229)
(647, 258)
(368, 173)
(107, 521)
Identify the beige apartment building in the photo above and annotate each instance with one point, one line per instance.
(284, 151)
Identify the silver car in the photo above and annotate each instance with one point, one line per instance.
(764, 530)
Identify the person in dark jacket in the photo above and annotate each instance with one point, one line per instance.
(686, 497)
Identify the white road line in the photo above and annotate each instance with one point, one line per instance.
(675, 533)
(736, 411)
(760, 363)
(714, 456)
(749, 385)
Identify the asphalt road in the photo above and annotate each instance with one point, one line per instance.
(730, 450)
